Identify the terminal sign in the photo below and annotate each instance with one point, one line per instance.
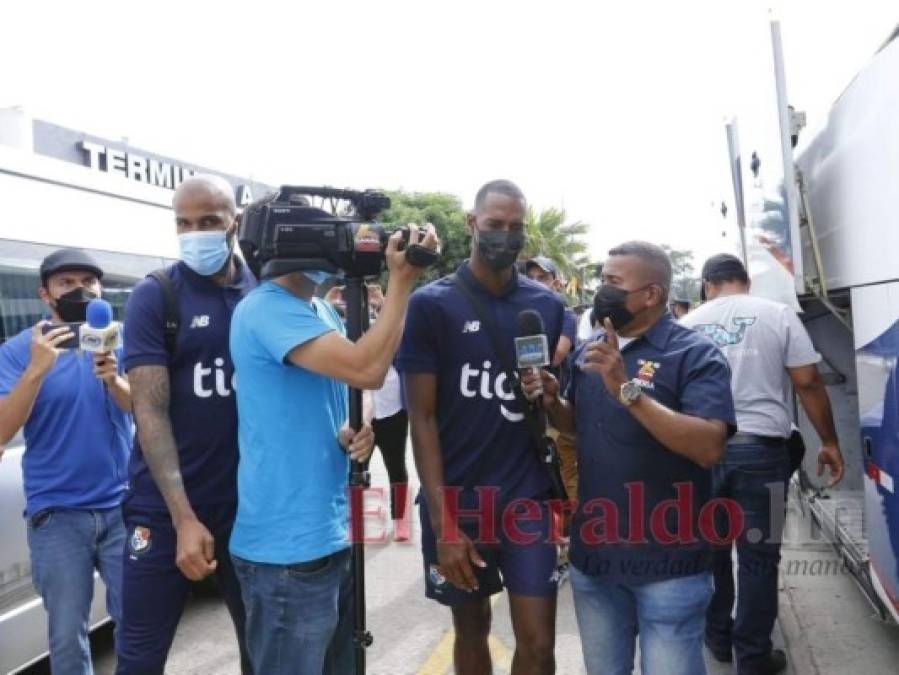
(148, 170)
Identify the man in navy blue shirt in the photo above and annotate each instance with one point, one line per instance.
(75, 409)
(651, 403)
(469, 431)
(183, 475)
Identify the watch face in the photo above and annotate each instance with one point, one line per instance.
(630, 391)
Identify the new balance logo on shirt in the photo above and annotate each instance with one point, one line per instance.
(471, 327)
(201, 321)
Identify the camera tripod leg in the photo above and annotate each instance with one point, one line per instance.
(359, 479)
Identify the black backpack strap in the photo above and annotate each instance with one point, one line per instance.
(545, 449)
(170, 309)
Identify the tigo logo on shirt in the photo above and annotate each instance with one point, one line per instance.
(487, 389)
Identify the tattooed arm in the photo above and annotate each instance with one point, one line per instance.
(150, 397)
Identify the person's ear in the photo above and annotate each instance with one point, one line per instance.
(471, 221)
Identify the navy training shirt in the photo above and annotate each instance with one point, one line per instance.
(569, 326)
(202, 405)
(482, 432)
(625, 473)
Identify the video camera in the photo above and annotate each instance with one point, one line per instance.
(284, 233)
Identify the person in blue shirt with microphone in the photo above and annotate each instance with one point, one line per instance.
(74, 406)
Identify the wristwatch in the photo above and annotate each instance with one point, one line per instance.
(629, 392)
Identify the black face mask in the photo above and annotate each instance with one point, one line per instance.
(72, 306)
(610, 303)
(498, 248)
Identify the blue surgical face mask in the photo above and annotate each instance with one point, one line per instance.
(204, 252)
(317, 277)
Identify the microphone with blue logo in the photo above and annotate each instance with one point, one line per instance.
(531, 345)
(99, 333)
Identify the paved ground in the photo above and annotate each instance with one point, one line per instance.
(827, 625)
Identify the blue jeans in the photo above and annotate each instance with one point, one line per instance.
(300, 616)
(755, 477)
(669, 617)
(66, 546)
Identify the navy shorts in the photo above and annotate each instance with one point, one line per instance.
(514, 562)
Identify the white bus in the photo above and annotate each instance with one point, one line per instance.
(846, 203)
(62, 188)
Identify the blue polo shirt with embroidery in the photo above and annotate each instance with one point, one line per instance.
(630, 527)
(483, 438)
(202, 403)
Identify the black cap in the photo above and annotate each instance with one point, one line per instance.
(67, 259)
(724, 267)
(544, 264)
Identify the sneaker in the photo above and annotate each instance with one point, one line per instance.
(774, 662)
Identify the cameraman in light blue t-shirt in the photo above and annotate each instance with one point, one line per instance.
(289, 543)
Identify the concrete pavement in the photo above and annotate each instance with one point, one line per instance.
(826, 625)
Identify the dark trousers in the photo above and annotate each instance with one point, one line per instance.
(154, 591)
(755, 477)
(390, 437)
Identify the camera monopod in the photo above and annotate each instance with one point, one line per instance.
(356, 297)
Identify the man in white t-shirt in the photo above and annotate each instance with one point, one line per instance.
(770, 353)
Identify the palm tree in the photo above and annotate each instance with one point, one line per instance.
(547, 234)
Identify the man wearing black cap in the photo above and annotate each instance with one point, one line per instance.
(768, 349)
(75, 410)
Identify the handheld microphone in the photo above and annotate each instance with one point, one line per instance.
(99, 332)
(531, 345)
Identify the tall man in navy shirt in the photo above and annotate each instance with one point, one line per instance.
(468, 430)
(651, 403)
(183, 475)
(75, 410)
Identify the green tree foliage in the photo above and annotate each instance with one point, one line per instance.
(684, 283)
(548, 234)
(445, 212)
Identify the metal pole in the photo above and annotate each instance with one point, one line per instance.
(786, 148)
(357, 323)
(736, 174)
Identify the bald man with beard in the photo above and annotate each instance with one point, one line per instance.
(182, 497)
